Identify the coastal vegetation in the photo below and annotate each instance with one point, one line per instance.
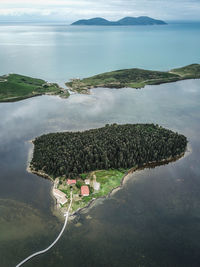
(188, 72)
(15, 87)
(133, 78)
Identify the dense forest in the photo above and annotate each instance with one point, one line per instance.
(113, 146)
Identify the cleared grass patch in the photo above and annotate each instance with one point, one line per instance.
(15, 87)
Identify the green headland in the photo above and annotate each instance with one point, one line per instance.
(15, 87)
(98, 159)
(133, 78)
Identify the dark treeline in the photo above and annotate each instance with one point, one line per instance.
(113, 146)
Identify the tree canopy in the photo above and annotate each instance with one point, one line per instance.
(113, 146)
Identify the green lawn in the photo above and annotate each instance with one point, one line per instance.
(108, 179)
(16, 87)
(190, 71)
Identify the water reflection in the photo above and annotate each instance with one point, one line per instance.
(152, 221)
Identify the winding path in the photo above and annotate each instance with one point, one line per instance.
(55, 241)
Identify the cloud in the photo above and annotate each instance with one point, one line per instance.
(24, 11)
(113, 9)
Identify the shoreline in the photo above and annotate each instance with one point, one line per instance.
(88, 90)
(136, 78)
(17, 99)
(126, 177)
(62, 94)
(59, 212)
(55, 210)
(66, 93)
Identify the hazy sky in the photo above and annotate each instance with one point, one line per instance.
(70, 10)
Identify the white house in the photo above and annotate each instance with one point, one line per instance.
(87, 181)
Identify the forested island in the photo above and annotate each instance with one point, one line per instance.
(133, 78)
(99, 158)
(15, 87)
(127, 21)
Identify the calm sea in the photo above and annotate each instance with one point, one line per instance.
(61, 52)
(154, 220)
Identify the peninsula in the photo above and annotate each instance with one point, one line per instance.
(127, 21)
(133, 78)
(95, 161)
(15, 87)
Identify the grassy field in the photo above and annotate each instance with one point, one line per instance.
(134, 78)
(108, 179)
(14, 87)
(190, 71)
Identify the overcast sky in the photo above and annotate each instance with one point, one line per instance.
(70, 10)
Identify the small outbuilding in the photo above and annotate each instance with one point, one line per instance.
(96, 186)
(85, 190)
(87, 181)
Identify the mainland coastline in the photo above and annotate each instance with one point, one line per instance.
(15, 87)
(133, 78)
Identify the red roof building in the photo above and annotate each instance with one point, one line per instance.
(85, 190)
(71, 182)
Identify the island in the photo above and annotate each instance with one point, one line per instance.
(15, 87)
(127, 21)
(133, 78)
(95, 162)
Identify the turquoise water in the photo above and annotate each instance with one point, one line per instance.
(154, 220)
(60, 52)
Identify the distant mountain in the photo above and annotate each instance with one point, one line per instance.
(140, 21)
(127, 21)
(95, 21)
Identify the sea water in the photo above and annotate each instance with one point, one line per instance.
(154, 220)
